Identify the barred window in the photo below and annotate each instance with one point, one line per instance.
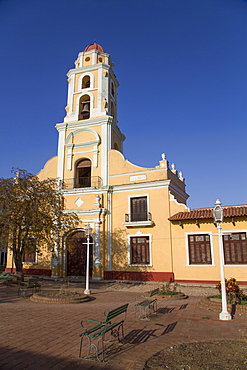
(199, 249)
(235, 249)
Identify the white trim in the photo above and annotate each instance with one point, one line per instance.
(176, 189)
(138, 223)
(97, 250)
(79, 86)
(109, 232)
(139, 234)
(173, 199)
(77, 104)
(61, 140)
(235, 265)
(81, 191)
(102, 93)
(211, 248)
(86, 151)
(141, 186)
(234, 232)
(86, 69)
(71, 146)
(79, 124)
(70, 95)
(148, 170)
(92, 211)
(104, 153)
(151, 184)
(225, 232)
(32, 263)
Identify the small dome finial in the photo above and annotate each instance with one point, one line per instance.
(95, 46)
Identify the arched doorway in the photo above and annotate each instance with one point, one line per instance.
(76, 246)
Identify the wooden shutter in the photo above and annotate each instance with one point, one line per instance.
(29, 257)
(199, 250)
(139, 209)
(235, 249)
(140, 251)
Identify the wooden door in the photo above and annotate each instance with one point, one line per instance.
(77, 255)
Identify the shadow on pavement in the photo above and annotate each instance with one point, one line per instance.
(19, 359)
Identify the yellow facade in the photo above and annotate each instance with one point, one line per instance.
(187, 271)
(131, 210)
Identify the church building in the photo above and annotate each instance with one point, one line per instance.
(140, 226)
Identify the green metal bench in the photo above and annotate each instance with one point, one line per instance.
(5, 273)
(98, 333)
(24, 287)
(35, 280)
(147, 305)
(6, 279)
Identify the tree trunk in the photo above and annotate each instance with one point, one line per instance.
(18, 265)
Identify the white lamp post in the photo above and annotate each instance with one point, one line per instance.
(218, 218)
(88, 232)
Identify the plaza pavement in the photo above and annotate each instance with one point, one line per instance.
(46, 336)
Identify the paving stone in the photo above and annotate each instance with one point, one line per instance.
(46, 336)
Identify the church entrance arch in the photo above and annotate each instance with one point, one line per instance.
(76, 246)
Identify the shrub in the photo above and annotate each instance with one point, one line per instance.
(233, 291)
(168, 290)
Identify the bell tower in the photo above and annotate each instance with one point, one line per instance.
(90, 127)
(92, 90)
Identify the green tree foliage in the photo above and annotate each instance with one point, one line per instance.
(32, 215)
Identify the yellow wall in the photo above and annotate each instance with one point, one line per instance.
(160, 231)
(49, 170)
(182, 269)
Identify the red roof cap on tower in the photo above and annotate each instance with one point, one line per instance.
(94, 46)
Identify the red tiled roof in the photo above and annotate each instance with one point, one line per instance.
(94, 46)
(206, 213)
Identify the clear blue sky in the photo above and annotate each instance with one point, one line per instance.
(182, 68)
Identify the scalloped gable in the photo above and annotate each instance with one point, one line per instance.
(49, 170)
(120, 165)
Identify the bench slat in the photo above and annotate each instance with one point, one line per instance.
(106, 329)
(98, 332)
(148, 304)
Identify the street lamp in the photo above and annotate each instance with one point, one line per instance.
(88, 233)
(218, 219)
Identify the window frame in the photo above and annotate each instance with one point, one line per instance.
(79, 83)
(140, 235)
(29, 262)
(89, 81)
(134, 197)
(209, 233)
(233, 232)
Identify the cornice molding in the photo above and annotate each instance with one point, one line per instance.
(141, 186)
(88, 212)
(84, 123)
(79, 131)
(175, 188)
(85, 191)
(80, 70)
(139, 172)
